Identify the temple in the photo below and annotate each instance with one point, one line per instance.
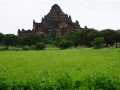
(55, 22)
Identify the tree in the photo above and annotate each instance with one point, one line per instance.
(73, 37)
(2, 38)
(30, 39)
(76, 39)
(98, 42)
(11, 40)
(39, 46)
(51, 39)
(92, 35)
(117, 38)
(64, 44)
(108, 35)
(83, 38)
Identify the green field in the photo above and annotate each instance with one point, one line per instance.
(60, 68)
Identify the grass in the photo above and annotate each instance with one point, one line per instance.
(55, 67)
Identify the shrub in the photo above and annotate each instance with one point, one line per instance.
(98, 42)
(26, 48)
(63, 82)
(32, 47)
(99, 83)
(39, 46)
(64, 44)
(4, 48)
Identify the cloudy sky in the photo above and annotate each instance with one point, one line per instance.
(98, 14)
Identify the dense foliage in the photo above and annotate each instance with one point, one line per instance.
(71, 69)
(98, 42)
(39, 46)
(30, 39)
(64, 83)
(86, 37)
(65, 44)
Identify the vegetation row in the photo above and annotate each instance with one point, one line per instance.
(86, 37)
(64, 82)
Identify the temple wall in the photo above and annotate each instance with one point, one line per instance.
(56, 19)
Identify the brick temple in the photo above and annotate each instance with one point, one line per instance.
(55, 22)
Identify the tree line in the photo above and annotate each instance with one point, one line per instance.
(87, 37)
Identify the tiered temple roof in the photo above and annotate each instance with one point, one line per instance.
(56, 21)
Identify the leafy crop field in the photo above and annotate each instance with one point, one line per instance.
(71, 69)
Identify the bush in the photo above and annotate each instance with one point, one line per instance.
(39, 46)
(4, 48)
(26, 48)
(63, 82)
(64, 44)
(98, 42)
(100, 83)
(32, 47)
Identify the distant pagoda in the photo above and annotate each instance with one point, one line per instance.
(55, 22)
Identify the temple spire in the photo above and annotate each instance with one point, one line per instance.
(55, 22)
(33, 21)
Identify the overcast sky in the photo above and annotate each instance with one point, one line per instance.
(98, 14)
